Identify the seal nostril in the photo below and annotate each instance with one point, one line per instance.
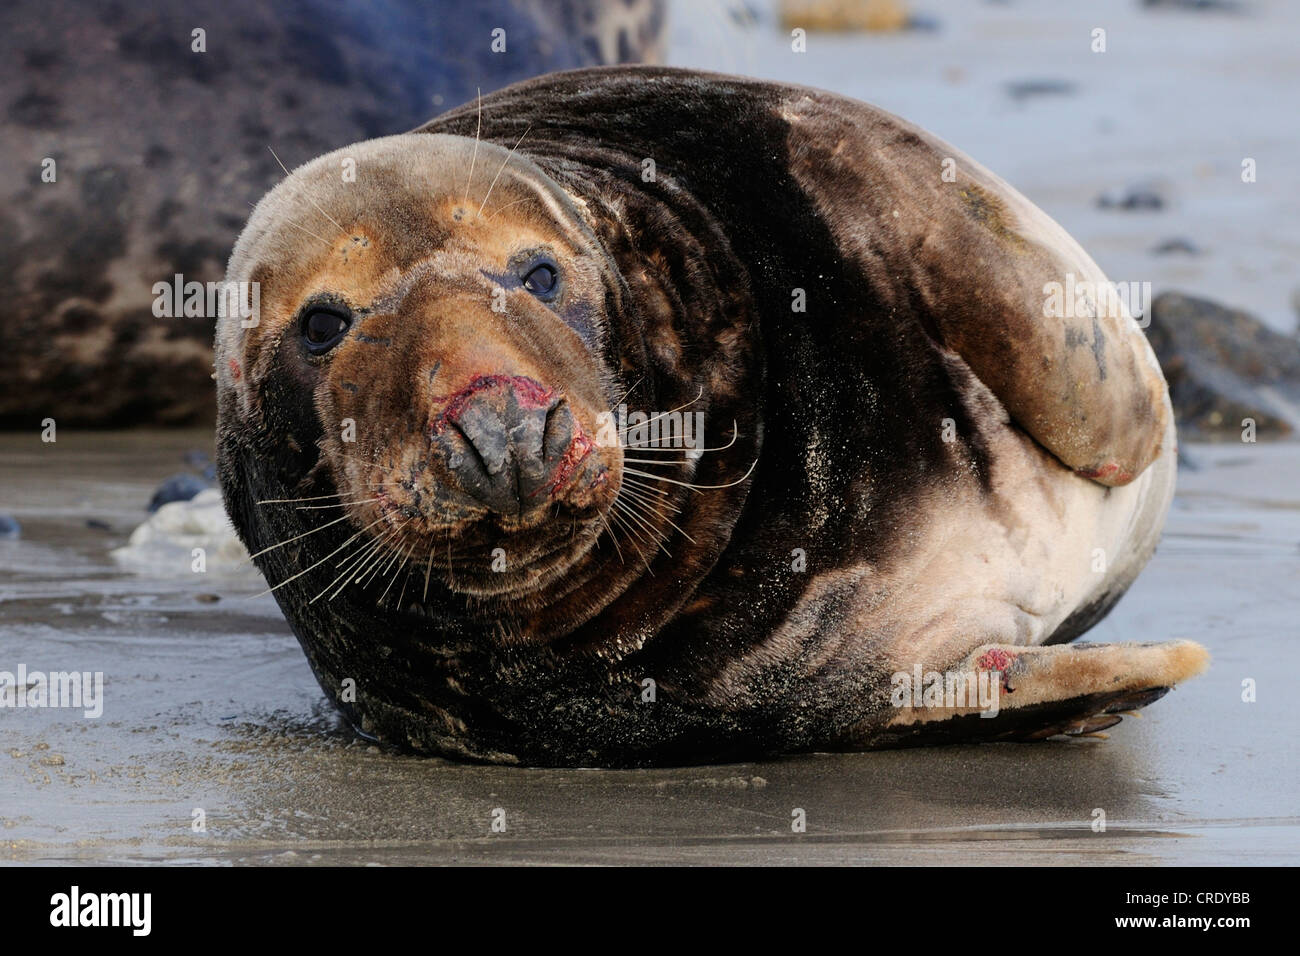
(475, 456)
(493, 439)
(558, 430)
(550, 417)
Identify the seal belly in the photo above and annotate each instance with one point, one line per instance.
(1037, 558)
(1033, 554)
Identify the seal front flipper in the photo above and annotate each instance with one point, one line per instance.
(1032, 693)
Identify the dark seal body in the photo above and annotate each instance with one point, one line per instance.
(910, 460)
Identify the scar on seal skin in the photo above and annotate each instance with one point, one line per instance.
(919, 469)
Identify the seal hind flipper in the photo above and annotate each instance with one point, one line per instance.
(1043, 692)
(1001, 284)
(1055, 343)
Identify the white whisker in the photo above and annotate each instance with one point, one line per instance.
(687, 484)
(308, 195)
(322, 560)
(502, 168)
(474, 158)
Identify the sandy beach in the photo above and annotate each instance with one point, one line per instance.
(211, 714)
(210, 705)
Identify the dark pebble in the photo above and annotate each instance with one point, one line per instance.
(1132, 197)
(745, 15)
(9, 527)
(1024, 89)
(1185, 246)
(179, 487)
(1206, 6)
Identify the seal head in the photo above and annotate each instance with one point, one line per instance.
(446, 328)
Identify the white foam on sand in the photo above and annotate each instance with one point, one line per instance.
(178, 534)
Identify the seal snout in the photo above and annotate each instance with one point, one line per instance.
(510, 443)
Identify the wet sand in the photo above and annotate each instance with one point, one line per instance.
(211, 705)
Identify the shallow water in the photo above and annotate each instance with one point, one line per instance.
(211, 705)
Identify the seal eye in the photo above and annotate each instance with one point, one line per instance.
(323, 329)
(542, 280)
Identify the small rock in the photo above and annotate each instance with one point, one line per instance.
(179, 487)
(201, 462)
(207, 598)
(924, 23)
(53, 760)
(1021, 90)
(98, 524)
(1185, 246)
(9, 527)
(1141, 196)
(1200, 6)
(744, 14)
(197, 458)
(1224, 366)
